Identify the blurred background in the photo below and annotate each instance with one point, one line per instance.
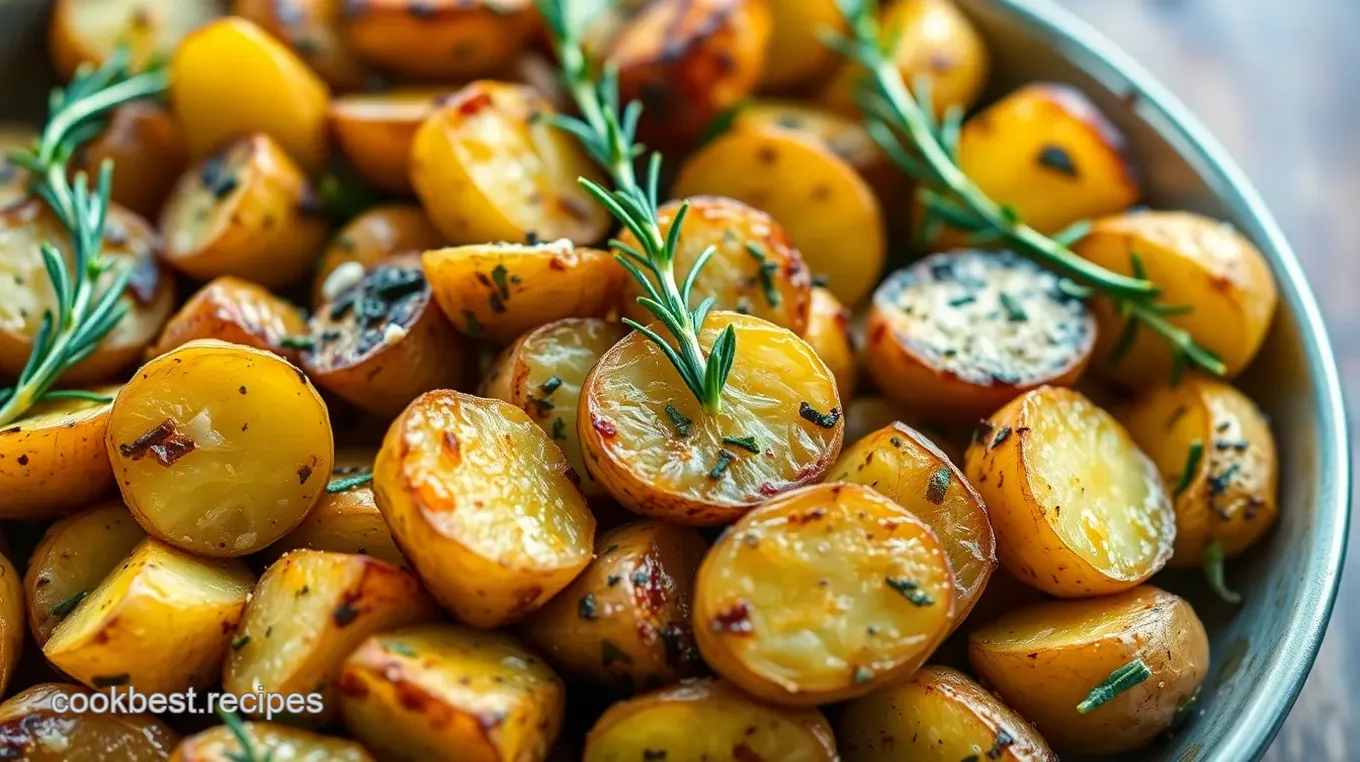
(1278, 81)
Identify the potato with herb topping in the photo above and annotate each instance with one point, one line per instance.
(33, 731)
(235, 311)
(148, 149)
(53, 460)
(447, 40)
(273, 741)
(11, 620)
(376, 131)
(314, 30)
(91, 30)
(376, 234)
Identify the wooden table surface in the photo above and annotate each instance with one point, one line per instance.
(1278, 81)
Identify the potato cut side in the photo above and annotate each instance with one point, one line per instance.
(376, 131)
(220, 449)
(314, 30)
(220, 744)
(191, 604)
(654, 448)
(235, 311)
(828, 333)
(91, 30)
(14, 178)
(444, 40)
(34, 732)
(148, 148)
(11, 620)
(53, 460)
(368, 239)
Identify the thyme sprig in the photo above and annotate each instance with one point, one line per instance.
(902, 122)
(83, 317)
(608, 135)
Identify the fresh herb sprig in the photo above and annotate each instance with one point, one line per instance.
(902, 122)
(83, 316)
(1128, 676)
(608, 135)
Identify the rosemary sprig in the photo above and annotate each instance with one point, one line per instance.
(1120, 680)
(247, 751)
(895, 114)
(608, 135)
(82, 317)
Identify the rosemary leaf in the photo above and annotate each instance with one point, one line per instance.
(1187, 477)
(349, 482)
(1120, 680)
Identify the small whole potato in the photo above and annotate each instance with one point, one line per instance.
(34, 732)
(148, 152)
(447, 40)
(238, 312)
(279, 741)
(376, 131)
(53, 460)
(376, 234)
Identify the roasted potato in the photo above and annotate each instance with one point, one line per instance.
(867, 414)
(238, 312)
(902, 464)
(958, 335)
(265, 89)
(822, 595)
(797, 54)
(488, 166)
(755, 269)
(939, 715)
(416, 693)
(1196, 262)
(314, 30)
(270, 741)
(1078, 509)
(75, 555)
(658, 452)
(626, 619)
(11, 620)
(829, 211)
(189, 604)
(248, 211)
(14, 178)
(26, 292)
(1046, 660)
(376, 131)
(543, 372)
(366, 240)
(148, 153)
(32, 731)
(708, 719)
(483, 505)
(499, 291)
(53, 460)
(210, 452)
(449, 40)
(828, 333)
(345, 520)
(90, 30)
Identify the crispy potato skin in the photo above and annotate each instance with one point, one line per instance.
(376, 132)
(1044, 660)
(447, 40)
(797, 55)
(90, 30)
(417, 692)
(733, 724)
(144, 142)
(314, 30)
(53, 461)
(32, 731)
(13, 178)
(11, 620)
(828, 333)
(235, 311)
(375, 235)
(220, 744)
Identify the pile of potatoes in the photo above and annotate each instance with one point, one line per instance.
(411, 461)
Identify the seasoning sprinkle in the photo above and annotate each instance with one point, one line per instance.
(745, 443)
(725, 459)
(825, 420)
(959, 301)
(475, 328)
(1187, 476)
(238, 643)
(1120, 680)
(498, 276)
(681, 423)
(1219, 484)
(910, 590)
(297, 342)
(559, 429)
(863, 675)
(939, 485)
(586, 609)
(400, 649)
(69, 605)
(1015, 312)
(1057, 158)
(349, 482)
(1001, 435)
(767, 271)
(550, 386)
(1212, 561)
(1003, 739)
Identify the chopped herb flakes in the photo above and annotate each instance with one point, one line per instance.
(825, 420)
(550, 386)
(1120, 680)
(499, 276)
(69, 605)
(1187, 476)
(767, 271)
(745, 443)
(1057, 159)
(680, 422)
(586, 608)
(238, 643)
(1001, 435)
(400, 649)
(1219, 484)
(939, 485)
(475, 328)
(910, 590)
(862, 675)
(1003, 739)
(1015, 312)
(725, 459)
(297, 342)
(349, 482)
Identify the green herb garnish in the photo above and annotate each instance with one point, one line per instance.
(349, 482)
(680, 422)
(745, 443)
(1120, 680)
(725, 459)
(67, 606)
(910, 590)
(1187, 476)
(1213, 560)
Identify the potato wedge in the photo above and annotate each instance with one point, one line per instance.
(417, 692)
(956, 336)
(53, 460)
(1078, 509)
(1045, 660)
(654, 448)
(90, 30)
(448, 40)
(939, 715)
(148, 153)
(666, 725)
(828, 333)
(314, 30)
(265, 89)
(797, 54)
(31, 730)
(284, 742)
(212, 454)
(499, 291)
(161, 622)
(483, 505)
(488, 167)
(11, 620)
(376, 131)
(238, 312)
(246, 211)
(345, 520)
(376, 234)
(14, 178)
(543, 372)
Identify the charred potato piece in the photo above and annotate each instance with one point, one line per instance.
(211, 452)
(14, 178)
(31, 730)
(282, 742)
(797, 54)
(418, 692)
(314, 30)
(659, 453)
(1078, 509)
(958, 335)
(90, 30)
(345, 520)
(1045, 660)
(161, 622)
(450, 40)
(376, 131)
(11, 620)
(148, 154)
(238, 312)
(53, 460)
(828, 333)
(368, 239)
(246, 211)
(483, 505)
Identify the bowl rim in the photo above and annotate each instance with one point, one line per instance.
(1286, 668)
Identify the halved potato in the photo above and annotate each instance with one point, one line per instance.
(283, 742)
(32, 731)
(376, 234)
(1045, 660)
(656, 450)
(90, 30)
(1078, 509)
(828, 333)
(161, 622)
(956, 336)
(487, 166)
(53, 460)
(314, 29)
(418, 692)
(449, 40)
(797, 54)
(708, 719)
(376, 131)
(220, 449)
(345, 520)
(148, 153)
(238, 312)
(246, 211)
(11, 620)
(483, 505)
(14, 178)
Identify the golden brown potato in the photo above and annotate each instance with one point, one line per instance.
(956, 336)
(376, 131)
(1196, 262)
(708, 719)
(14, 178)
(32, 731)
(238, 312)
(828, 333)
(345, 520)
(314, 30)
(543, 372)
(1078, 509)
(658, 452)
(246, 211)
(418, 692)
(161, 622)
(90, 30)
(148, 154)
(488, 167)
(939, 715)
(499, 291)
(449, 40)
(797, 54)
(74, 556)
(211, 452)
(755, 269)
(53, 461)
(366, 240)
(26, 292)
(1047, 660)
(822, 595)
(483, 505)
(11, 620)
(283, 742)
(626, 619)
(265, 89)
